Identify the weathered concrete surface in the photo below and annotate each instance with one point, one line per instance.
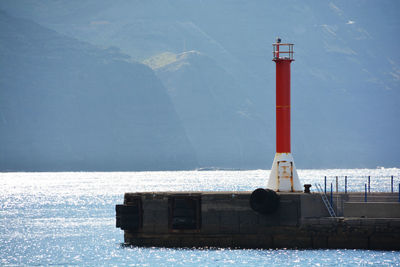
(312, 206)
(227, 220)
(366, 233)
(372, 197)
(372, 209)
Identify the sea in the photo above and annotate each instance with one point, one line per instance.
(68, 218)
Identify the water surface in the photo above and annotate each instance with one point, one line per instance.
(69, 219)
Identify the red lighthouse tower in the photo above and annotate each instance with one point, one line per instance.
(283, 175)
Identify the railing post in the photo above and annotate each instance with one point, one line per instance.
(365, 193)
(391, 183)
(331, 195)
(325, 185)
(345, 184)
(369, 184)
(337, 185)
(399, 192)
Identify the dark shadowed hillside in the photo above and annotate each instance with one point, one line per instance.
(66, 105)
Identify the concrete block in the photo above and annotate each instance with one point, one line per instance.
(347, 241)
(244, 196)
(372, 209)
(155, 205)
(154, 196)
(264, 241)
(352, 222)
(309, 221)
(242, 205)
(213, 241)
(289, 196)
(217, 204)
(292, 241)
(268, 220)
(395, 224)
(229, 222)
(312, 206)
(375, 222)
(210, 222)
(171, 241)
(289, 213)
(252, 241)
(155, 216)
(384, 241)
(328, 221)
(155, 240)
(248, 222)
(319, 241)
(189, 241)
(160, 226)
(131, 198)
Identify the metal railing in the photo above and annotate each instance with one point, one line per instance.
(366, 185)
(352, 183)
(286, 53)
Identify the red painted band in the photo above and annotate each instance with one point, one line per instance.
(283, 105)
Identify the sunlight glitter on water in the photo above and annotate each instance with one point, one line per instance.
(109, 183)
(69, 219)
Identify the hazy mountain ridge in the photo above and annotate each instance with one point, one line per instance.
(218, 120)
(67, 105)
(345, 80)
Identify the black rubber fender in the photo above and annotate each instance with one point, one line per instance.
(264, 201)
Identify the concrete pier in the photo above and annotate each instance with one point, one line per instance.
(225, 219)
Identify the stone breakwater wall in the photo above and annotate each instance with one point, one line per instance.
(225, 219)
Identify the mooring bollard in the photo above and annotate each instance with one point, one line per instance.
(325, 185)
(391, 183)
(365, 194)
(331, 195)
(345, 184)
(307, 188)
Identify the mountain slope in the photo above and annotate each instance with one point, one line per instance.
(345, 80)
(66, 105)
(214, 111)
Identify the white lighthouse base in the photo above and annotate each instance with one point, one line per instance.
(283, 176)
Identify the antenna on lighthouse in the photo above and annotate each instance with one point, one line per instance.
(283, 176)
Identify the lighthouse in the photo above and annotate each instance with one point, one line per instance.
(283, 176)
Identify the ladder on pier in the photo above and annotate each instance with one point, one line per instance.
(325, 200)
